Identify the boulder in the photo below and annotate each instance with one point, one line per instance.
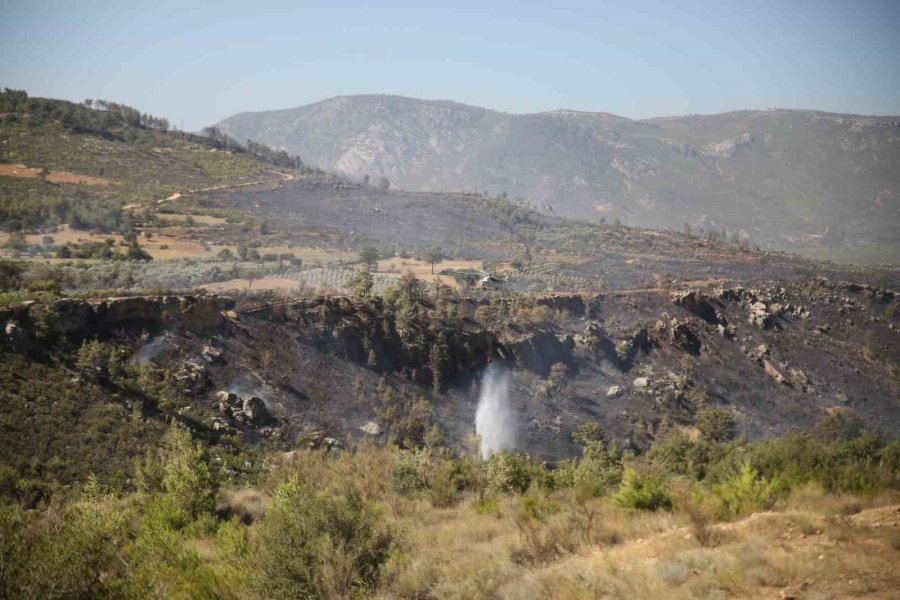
(773, 372)
(211, 354)
(228, 398)
(255, 410)
(221, 425)
(641, 383)
(331, 444)
(372, 428)
(614, 392)
(726, 331)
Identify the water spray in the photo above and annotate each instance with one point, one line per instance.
(494, 417)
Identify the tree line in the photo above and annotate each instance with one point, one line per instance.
(104, 117)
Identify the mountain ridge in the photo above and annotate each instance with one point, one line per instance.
(778, 177)
(565, 110)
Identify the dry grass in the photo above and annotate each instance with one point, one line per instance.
(765, 554)
(458, 553)
(807, 551)
(54, 176)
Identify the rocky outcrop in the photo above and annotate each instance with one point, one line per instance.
(540, 351)
(569, 304)
(761, 317)
(628, 349)
(236, 412)
(701, 305)
(78, 319)
(572, 304)
(385, 338)
(682, 335)
(726, 148)
(255, 410)
(774, 373)
(621, 353)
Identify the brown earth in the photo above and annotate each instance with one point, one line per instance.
(54, 176)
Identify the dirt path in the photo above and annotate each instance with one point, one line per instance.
(215, 188)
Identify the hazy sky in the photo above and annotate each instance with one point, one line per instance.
(196, 63)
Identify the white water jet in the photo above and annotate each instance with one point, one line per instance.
(494, 418)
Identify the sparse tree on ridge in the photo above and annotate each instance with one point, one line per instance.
(434, 255)
(368, 256)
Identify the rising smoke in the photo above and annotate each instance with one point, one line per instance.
(150, 350)
(494, 418)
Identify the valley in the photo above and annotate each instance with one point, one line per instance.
(215, 361)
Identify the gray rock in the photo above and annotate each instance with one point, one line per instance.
(372, 428)
(255, 410)
(641, 382)
(227, 397)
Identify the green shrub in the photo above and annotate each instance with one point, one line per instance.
(163, 564)
(643, 492)
(446, 483)
(716, 425)
(187, 477)
(319, 544)
(679, 455)
(745, 492)
(69, 552)
(408, 479)
(507, 473)
(840, 425)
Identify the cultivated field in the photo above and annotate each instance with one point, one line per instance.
(54, 176)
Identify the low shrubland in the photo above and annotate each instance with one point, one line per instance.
(432, 522)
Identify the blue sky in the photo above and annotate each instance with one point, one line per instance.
(196, 63)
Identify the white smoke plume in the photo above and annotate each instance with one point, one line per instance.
(150, 350)
(494, 417)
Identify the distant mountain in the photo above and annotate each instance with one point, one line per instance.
(788, 178)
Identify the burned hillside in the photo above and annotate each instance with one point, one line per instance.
(278, 371)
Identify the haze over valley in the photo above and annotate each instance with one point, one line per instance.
(796, 179)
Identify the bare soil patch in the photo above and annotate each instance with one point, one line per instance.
(885, 516)
(198, 219)
(54, 176)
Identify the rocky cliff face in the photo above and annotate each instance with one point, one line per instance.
(773, 176)
(777, 356)
(31, 324)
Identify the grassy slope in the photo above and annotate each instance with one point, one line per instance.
(149, 165)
